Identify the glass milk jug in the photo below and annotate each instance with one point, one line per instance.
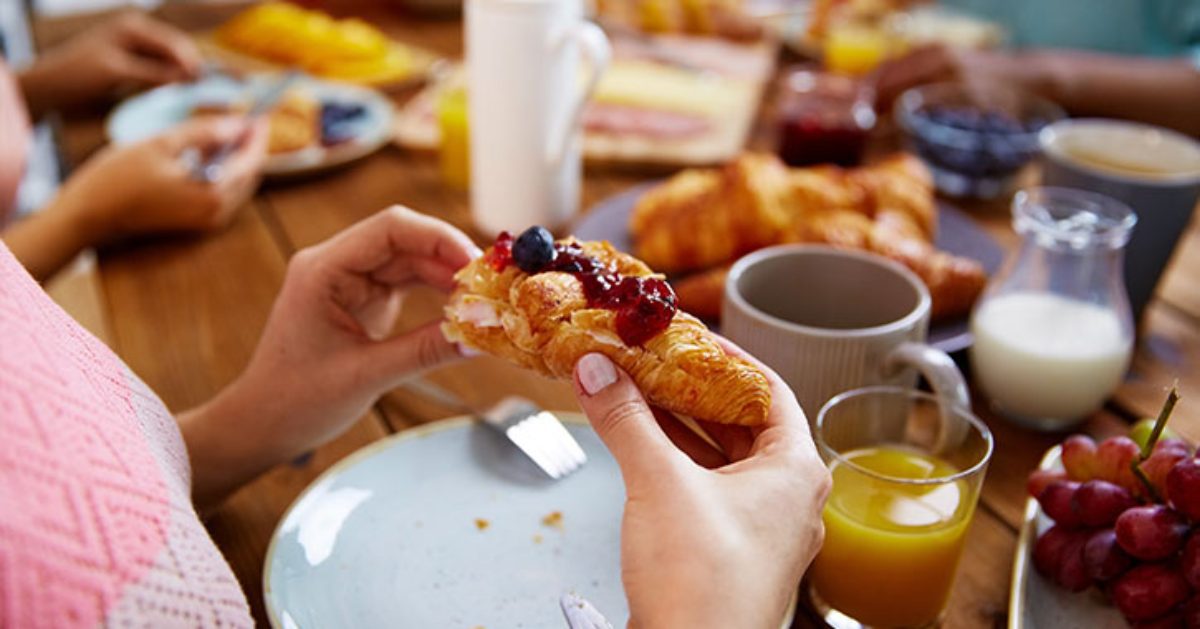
(1053, 331)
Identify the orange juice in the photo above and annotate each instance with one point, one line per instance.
(456, 140)
(856, 49)
(891, 549)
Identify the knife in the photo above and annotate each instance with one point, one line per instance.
(208, 170)
(581, 614)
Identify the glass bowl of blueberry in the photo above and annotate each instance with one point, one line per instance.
(974, 139)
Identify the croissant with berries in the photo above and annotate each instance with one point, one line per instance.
(544, 304)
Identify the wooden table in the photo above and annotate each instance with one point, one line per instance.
(185, 313)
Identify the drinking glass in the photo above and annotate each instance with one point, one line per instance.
(907, 469)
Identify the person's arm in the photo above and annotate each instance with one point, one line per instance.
(1165, 92)
(709, 538)
(139, 189)
(325, 354)
(132, 50)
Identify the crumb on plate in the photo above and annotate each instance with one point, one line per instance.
(481, 523)
(554, 519)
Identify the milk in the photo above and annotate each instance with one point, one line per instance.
(1044, 357)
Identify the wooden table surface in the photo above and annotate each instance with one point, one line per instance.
(185, 313)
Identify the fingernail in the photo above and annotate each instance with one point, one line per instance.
(467, 351)
(596, 372)
(475, 252)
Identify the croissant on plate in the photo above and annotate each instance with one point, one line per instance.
(592, 298)
(700, 221)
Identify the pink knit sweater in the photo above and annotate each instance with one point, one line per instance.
(96, 522)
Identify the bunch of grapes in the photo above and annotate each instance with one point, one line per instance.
(1126, 520)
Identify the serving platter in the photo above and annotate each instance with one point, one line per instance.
(957, 233)
(1037, 603)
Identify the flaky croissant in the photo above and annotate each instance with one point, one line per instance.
(543, 321)
(702, 220)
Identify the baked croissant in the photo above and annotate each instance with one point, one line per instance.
(702, 220)
(548, 319)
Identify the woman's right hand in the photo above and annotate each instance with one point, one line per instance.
(146, 187)
(709, 539)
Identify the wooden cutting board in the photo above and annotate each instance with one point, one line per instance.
(726, 81)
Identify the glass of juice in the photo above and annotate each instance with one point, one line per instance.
(907, 468)
(455, 156)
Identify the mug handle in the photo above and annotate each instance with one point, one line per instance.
(944, 378)
(595, 47)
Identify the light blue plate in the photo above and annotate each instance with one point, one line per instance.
(159, 109)
(388, 537)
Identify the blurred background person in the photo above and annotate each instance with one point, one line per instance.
(126, 191)
(1105, 58)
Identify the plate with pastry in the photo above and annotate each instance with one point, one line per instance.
(275, 36)
(316, 125)
(665, 101)
(694, 225)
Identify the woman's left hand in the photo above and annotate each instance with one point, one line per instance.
(326, 354)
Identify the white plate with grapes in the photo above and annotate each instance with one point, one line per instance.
(1103, 550)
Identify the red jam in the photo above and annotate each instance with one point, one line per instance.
(644, 305)
(500, 255)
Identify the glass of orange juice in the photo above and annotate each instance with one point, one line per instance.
(907, 468)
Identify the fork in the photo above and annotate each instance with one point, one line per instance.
(535, 431)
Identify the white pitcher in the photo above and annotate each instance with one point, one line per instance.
(526, 105)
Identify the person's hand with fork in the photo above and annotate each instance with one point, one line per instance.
(709, 538)
(144, 188)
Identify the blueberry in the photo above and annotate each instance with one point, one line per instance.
(533, 249)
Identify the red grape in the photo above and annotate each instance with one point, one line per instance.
(1191, 613)
(1159, 465)
(1149, 591)
(1174, 445)
(1099, 502)
(1173, 620)
(1057, 500)
(1079, 457)
(1113, 460)
(1040, 479)
(1103, 557)
(1048, 551)
(1071, 573)
(1183, 488)
(1151, 532)
(1189, 561)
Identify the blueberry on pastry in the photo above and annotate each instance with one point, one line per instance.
(543, 304)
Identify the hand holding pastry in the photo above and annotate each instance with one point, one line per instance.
(708, 539)
(327, 351)
(130, 51)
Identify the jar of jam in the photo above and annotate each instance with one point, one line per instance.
(823, 118)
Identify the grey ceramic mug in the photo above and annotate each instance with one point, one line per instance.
(1124, 156)
(830, 320)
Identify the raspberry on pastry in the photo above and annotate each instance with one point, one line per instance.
(559, 300)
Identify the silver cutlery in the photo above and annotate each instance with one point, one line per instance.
(209, 169)
(581, 614)
(535, 431)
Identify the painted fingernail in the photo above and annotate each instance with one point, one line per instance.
(596, 372)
